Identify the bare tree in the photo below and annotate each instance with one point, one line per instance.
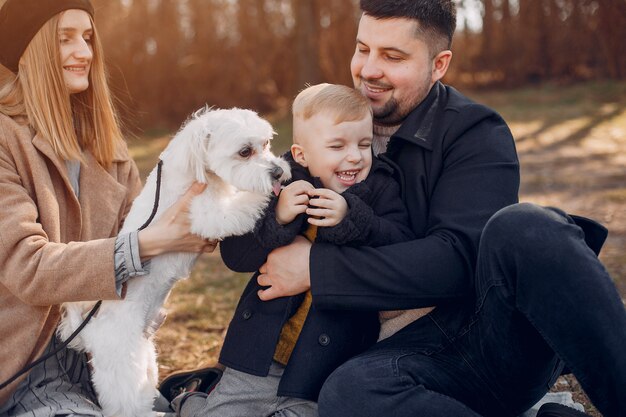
(173, 56)
(307, 41)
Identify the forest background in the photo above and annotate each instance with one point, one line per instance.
(169, 57)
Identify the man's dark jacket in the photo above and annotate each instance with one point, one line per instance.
(457, 166)
(376, 216)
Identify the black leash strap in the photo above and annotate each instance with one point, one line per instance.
(96, 307)
(157, 196)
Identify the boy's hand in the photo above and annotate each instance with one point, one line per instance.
(293, 200)
(328, 207)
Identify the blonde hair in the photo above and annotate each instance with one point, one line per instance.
(346, 104)
(72, 123)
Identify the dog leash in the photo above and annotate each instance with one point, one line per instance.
(57, 350)
(157, 196)
(96, 307)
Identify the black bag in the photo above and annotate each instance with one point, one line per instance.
(197, 380)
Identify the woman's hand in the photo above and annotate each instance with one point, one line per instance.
(171, 232)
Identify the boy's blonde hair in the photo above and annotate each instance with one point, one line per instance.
(85, 120)
(345, 103)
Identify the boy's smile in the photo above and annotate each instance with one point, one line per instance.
(340, 154)
(348, 178)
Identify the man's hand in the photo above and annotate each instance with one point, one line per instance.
(286, 271)
(292, 201)
(327, 207)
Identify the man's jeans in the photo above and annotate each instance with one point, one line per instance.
(541, 296)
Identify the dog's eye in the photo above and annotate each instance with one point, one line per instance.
(245, 152)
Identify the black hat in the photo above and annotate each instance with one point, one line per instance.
(20, 20)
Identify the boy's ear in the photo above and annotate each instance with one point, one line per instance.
(298, 154)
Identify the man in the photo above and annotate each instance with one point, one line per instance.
(514, 289)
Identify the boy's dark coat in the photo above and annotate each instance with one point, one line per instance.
(376, 217)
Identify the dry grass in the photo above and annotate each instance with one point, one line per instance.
(572, 146)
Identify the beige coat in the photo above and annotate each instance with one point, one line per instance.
(53, 246)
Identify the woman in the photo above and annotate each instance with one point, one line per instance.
(66, 183)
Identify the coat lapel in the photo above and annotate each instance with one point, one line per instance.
(101, 198)
(96, 213)
(70, 220)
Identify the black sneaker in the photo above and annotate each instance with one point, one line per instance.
(200, 380)
(559, 410)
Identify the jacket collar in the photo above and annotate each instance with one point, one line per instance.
(45, 147)
(99, 210)
(120, 154)
(417, 126)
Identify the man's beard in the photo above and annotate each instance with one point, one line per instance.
(393, 112)
(388, 114)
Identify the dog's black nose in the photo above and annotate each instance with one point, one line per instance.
(276, 172)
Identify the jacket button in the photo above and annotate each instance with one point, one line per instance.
(324, 339)
(246, 314)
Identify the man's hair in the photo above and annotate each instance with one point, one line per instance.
(345, 103)
(85, 120)
(436, 18)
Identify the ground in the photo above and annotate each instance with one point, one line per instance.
(572, 147)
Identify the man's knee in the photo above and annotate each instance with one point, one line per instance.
(535, 248)
(528, 227)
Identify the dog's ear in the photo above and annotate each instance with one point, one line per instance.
(297, 152)
(198, 151)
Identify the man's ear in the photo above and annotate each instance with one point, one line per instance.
(441, 63)
(298, 154)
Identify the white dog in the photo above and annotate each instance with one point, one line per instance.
(226, 149)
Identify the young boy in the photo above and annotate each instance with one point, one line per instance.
(278, 353)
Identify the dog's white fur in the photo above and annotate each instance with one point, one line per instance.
(212, 147)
